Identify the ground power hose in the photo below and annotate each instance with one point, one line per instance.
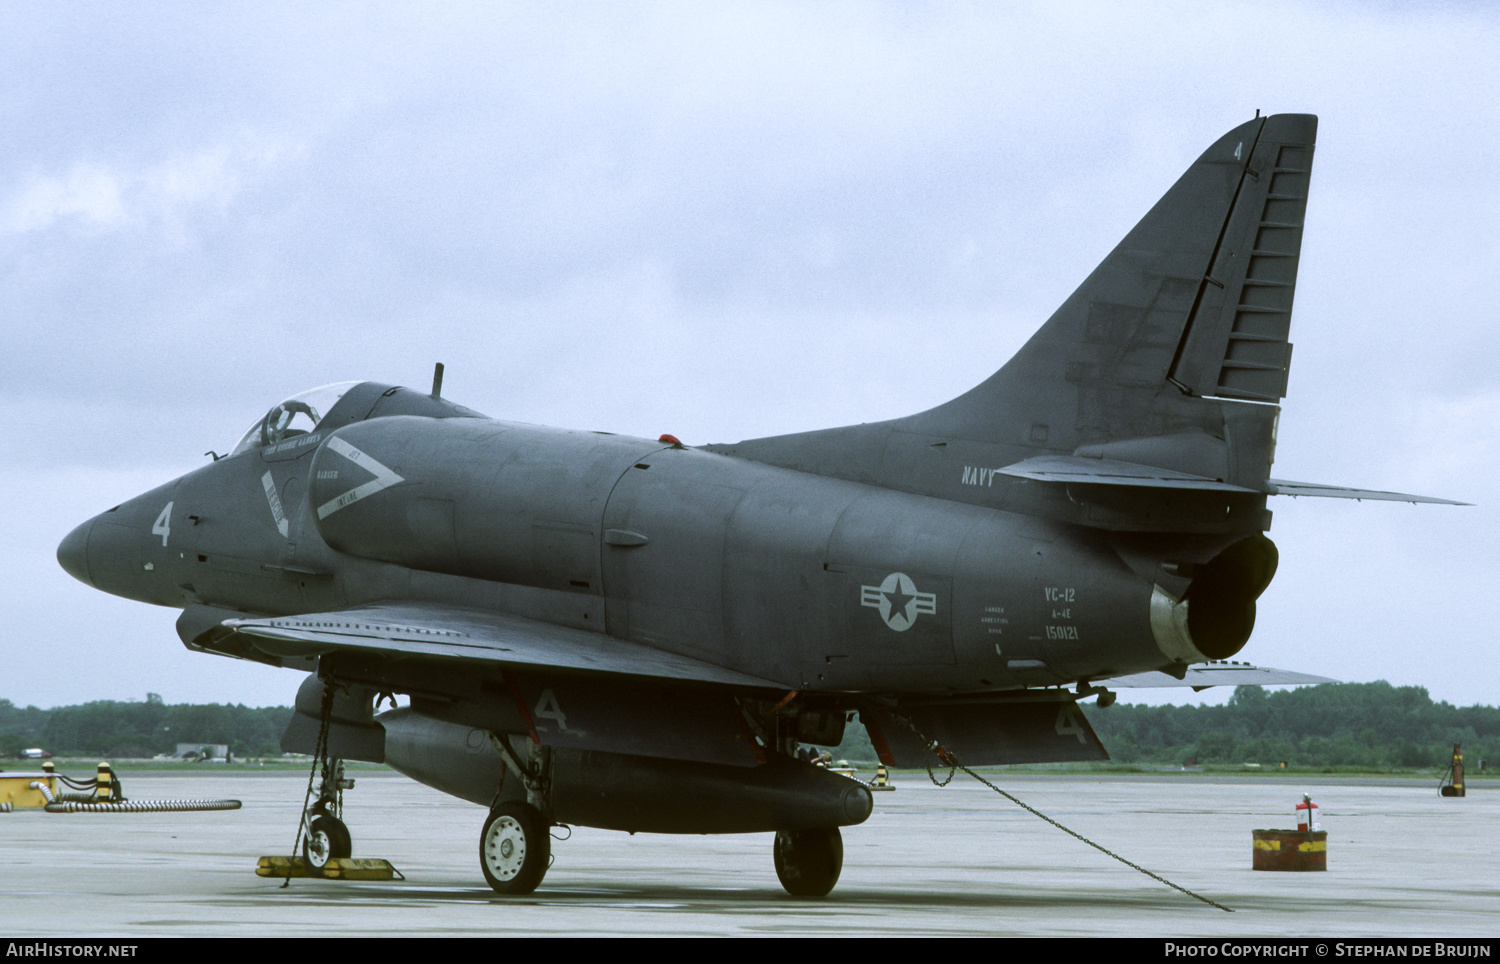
(75, 805)
(143, 806)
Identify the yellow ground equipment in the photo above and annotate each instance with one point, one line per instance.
(1453, 781)
(58, 793)
(337, 868)
(23, 790)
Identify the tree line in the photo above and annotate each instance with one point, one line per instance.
(1365, 725)
(113, 728)
(1359, 725)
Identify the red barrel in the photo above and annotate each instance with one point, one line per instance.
(1290, 850)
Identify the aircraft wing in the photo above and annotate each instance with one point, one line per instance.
(1221, 673)
(446, 633)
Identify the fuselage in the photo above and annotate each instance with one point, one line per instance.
(821, 583)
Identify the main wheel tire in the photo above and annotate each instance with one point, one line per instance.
(808, 862)
(327, 838)
(514, 848)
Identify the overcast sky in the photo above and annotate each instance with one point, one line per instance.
(722, 221)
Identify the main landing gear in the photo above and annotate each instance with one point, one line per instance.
(808, 862)
(515, 848)
(515, 844)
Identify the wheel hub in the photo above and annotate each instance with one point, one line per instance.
(505, 848)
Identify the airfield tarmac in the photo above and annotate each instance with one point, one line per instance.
(1402, 862)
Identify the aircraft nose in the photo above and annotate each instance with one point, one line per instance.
(73, 553)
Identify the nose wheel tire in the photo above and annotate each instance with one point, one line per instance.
(514, 848)
(327, 838)
(808, 862)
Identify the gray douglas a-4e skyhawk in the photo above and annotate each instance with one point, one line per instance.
(635, 634)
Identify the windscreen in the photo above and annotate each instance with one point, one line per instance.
(297, 415)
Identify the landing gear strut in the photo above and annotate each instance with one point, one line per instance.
(808, 862)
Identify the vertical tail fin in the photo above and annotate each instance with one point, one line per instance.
(1191, 309)
(1195, 301)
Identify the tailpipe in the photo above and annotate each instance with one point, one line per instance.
(1215, 615)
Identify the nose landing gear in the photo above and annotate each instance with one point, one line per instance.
(324, 835)
(327, 839)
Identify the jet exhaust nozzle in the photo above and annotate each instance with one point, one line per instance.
(1214, 617)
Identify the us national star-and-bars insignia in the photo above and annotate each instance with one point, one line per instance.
(898, 601)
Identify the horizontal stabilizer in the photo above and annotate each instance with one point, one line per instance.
(1078, 470)
(1280, 487)
(1219, 673)
(425, 630)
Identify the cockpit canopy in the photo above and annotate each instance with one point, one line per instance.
(306, 411)
(297, 415)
